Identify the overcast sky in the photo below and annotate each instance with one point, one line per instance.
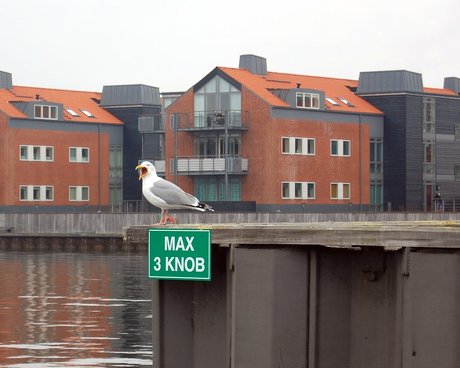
(172, 44)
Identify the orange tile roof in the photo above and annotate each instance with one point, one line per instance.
(440, 91)
(74, 100)
(332, 87)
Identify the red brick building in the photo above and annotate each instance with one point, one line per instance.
(59, 149)
(284, 141)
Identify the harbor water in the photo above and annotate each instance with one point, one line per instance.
(74, 309)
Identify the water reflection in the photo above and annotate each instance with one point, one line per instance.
(74, 310)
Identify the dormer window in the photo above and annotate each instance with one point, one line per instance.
(45, 112)
(305, 100)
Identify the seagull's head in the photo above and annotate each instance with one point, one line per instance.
(146, 168)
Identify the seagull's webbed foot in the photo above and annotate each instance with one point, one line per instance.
(165, 218)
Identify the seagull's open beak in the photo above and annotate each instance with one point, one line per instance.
(142, 171)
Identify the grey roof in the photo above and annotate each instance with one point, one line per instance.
(125, 95)
(389, 81)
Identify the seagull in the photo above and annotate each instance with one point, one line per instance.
(166, 195)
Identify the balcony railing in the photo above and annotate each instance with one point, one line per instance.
(211, 165)
(206, 120)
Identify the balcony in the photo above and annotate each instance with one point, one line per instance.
(205, 120)
(212, 166)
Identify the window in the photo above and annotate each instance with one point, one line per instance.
(298, 190)
(307, 100)
(331, 101)
(23, 152)
(36, 153)
(285, 190)
(376, 195)
(346, 102)
(340, 191)
(428, 157)
(78, 154)
(457, 132)
(36, 193)
(428, 110)
(217, 103)
(376, 156)
(87, 113)
(78, 193)
(72, 112)
(457, 172)
(340, 147)
(213, 189)
(298, 146)
(45, 112)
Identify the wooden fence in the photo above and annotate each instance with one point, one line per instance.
(104, 223)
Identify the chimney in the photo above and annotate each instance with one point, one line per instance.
(253, 63)
(453, 84)
(6, 80)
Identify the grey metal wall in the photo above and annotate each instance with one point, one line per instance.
(132, 146)
(404, 149)
(308, 306)
(394, 154)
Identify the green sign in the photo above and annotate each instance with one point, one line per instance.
(177, 254)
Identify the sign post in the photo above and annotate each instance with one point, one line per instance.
(179, 254)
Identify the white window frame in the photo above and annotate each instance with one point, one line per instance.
(292, 146)
(78, 193)
(79, 155)
(41, 157)
(312, 96)
(40, 115)
(304, 189)
(340, 191)
(340, 147)
(41, 189)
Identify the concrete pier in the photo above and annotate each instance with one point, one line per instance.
(315, 295)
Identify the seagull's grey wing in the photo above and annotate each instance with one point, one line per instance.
(172, 194)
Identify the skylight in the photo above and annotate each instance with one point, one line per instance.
(87, 113)
(331, 101)
(71, 112)
(346, 102)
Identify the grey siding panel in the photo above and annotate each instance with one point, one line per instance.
(414, 153)
(447, 115)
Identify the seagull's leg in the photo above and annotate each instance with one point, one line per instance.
(163, 217)
(168, 218)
